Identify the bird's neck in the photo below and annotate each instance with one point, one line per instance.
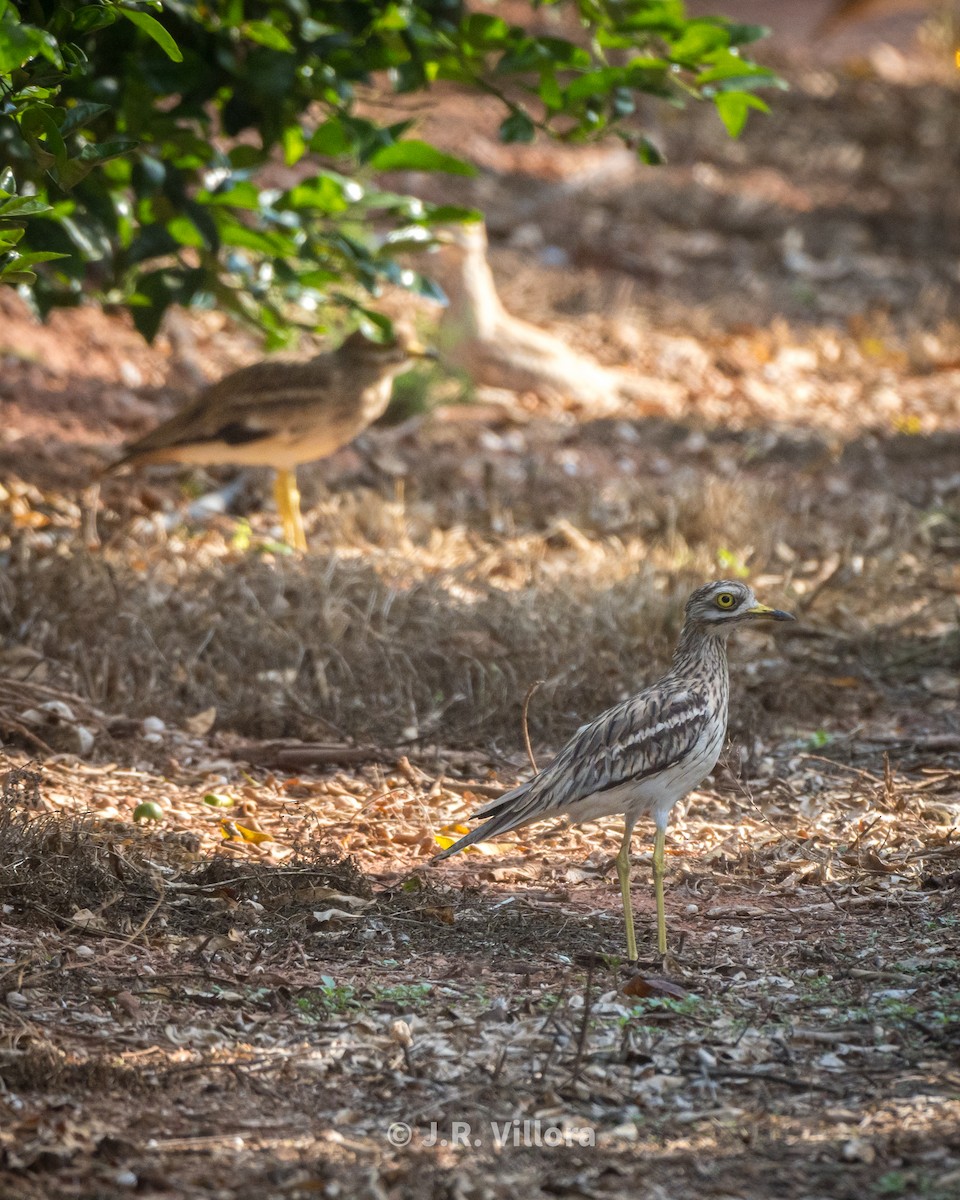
(701, 653)
(474, 306)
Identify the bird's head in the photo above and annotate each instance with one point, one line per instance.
(391, 353)
(719, 607)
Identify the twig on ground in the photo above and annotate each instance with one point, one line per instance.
(803, 1085)
(296, 755)
(584, 1027)
(537, 683)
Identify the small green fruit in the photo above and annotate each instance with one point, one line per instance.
(149, 810)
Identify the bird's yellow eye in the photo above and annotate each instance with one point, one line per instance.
(725, 600)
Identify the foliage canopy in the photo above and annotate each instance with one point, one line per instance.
(134, 136)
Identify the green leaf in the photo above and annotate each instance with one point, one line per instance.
(100, 152)
(233, 233)
(734, 107)
(183, 230)
(414, 155)
(38, 122)
(92, 155)
(450, 214)
(648, 153)
(242, 158)
(324, 192)
(266, 34)
(22, 206)
(153, 29)
(331, 139)
(517, 128)
(294, 145)
(242, 194)
(595, 83)
(92, 17)
(20, 43)
(549, 90)
(740, 35)
(79, 115)
(38, 256)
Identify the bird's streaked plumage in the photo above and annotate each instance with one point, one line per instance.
(281, 414)
(644, 755)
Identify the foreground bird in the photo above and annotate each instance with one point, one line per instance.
(281, 414)
(645, 754)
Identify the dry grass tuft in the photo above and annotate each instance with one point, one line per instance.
(435, 612)
(347, 645)
(55, 864)
(297, 883)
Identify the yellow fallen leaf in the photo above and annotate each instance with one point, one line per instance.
(445, 841)
(232, 831)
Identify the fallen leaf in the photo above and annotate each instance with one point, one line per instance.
(869, 860)
(88, 919)
(330, 916)
(314, 895)
(644, 987)
(129, 1003)
(444, 840)
(202, 722)
(440, 912)
(232, 831)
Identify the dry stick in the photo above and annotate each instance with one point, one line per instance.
(537, 683)
(145, 922)
(840, 766)
(14, 726)
(584, 1027)
(805, 1085)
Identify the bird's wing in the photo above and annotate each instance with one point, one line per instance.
(646, 734)
(244, 406)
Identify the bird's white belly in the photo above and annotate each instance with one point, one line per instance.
(283, 449)
(657, 794)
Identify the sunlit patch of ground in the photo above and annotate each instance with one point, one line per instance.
(273, 1015)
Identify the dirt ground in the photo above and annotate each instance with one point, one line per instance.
(270, 991)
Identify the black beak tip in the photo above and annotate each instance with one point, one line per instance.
(779, 615)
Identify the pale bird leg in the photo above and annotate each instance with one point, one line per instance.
(287, 497)
(299, 537)
(658, 853)
(280, 496)
(623, 872)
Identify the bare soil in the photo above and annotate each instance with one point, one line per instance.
(270, 991)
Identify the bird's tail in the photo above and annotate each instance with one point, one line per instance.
(504, 814)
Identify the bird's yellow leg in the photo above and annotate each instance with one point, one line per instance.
(299, 537)
(658, 854)
(287, 495)
(623, 872)
(280, 499)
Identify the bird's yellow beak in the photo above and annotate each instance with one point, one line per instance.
(769, 614)
(418, 350)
